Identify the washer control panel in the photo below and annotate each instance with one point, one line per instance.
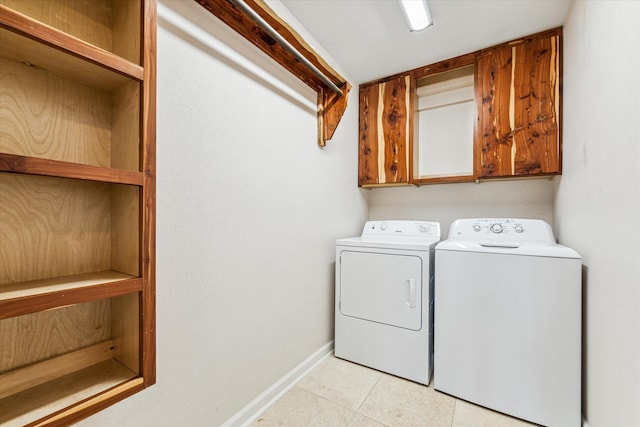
(497, 226)
(401, 229)
(501, 230)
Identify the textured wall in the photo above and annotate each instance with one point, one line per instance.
(530, 198)
(597, 203)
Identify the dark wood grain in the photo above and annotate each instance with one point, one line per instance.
(332, 105)
(333, 108)
(148, 211)
(518, 91)
(443, 179)
(442, 66)
(368, 136)
(245, 26)
(395, 124)
(495, 130)
(535, 107)
(384, 131)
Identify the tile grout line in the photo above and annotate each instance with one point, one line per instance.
(355, 411)
(310, 371)
(453, 416)
(368, 394)
(365, 399)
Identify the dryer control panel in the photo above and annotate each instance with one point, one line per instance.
(502, 230)
(401, 229)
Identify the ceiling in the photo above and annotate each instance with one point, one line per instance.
(370, 39)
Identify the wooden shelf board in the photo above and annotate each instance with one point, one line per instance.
(35, 403)
(54, 168)
(17, 299)
(30, 42)
(434, 179)
(35, 374)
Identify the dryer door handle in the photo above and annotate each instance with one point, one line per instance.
(412, 293)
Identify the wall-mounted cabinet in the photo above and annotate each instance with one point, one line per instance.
(488, 114)
(77, 227)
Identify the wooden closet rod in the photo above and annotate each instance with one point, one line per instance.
(258, 24)
(285, 44)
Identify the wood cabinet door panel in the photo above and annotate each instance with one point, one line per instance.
(518, 115)
(385, 120)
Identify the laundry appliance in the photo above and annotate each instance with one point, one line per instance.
(384, 298)
(508, 319)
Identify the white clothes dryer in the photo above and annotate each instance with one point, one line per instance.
(384, 298)
(508, 316)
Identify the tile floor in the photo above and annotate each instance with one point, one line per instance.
(339, 393)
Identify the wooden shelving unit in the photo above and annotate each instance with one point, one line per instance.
(77, 211)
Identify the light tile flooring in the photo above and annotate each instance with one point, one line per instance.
(339, 393)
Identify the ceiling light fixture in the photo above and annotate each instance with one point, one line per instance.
(417, 14)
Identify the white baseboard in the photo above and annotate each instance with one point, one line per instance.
(257, 406)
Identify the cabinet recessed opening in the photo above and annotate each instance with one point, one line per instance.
(77, 258)
(54, 228)
(112, 25)
(52, 358)
(50, 117)
(445, 113)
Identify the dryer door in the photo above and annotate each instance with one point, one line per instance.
(381, 287)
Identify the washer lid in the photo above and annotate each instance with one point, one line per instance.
(506, 230)
(511, 236)
(508, 247)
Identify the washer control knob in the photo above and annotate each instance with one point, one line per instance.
(496, 228)
(383, 226)
(518, 229)
(476, 227)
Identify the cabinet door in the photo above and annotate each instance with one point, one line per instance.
(385, 125)
(518, 132)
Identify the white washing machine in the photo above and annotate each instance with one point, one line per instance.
(384, 298)
(508, 320)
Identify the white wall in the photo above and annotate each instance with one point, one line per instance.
(248, 210)
(531, 198)
(597, 204)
